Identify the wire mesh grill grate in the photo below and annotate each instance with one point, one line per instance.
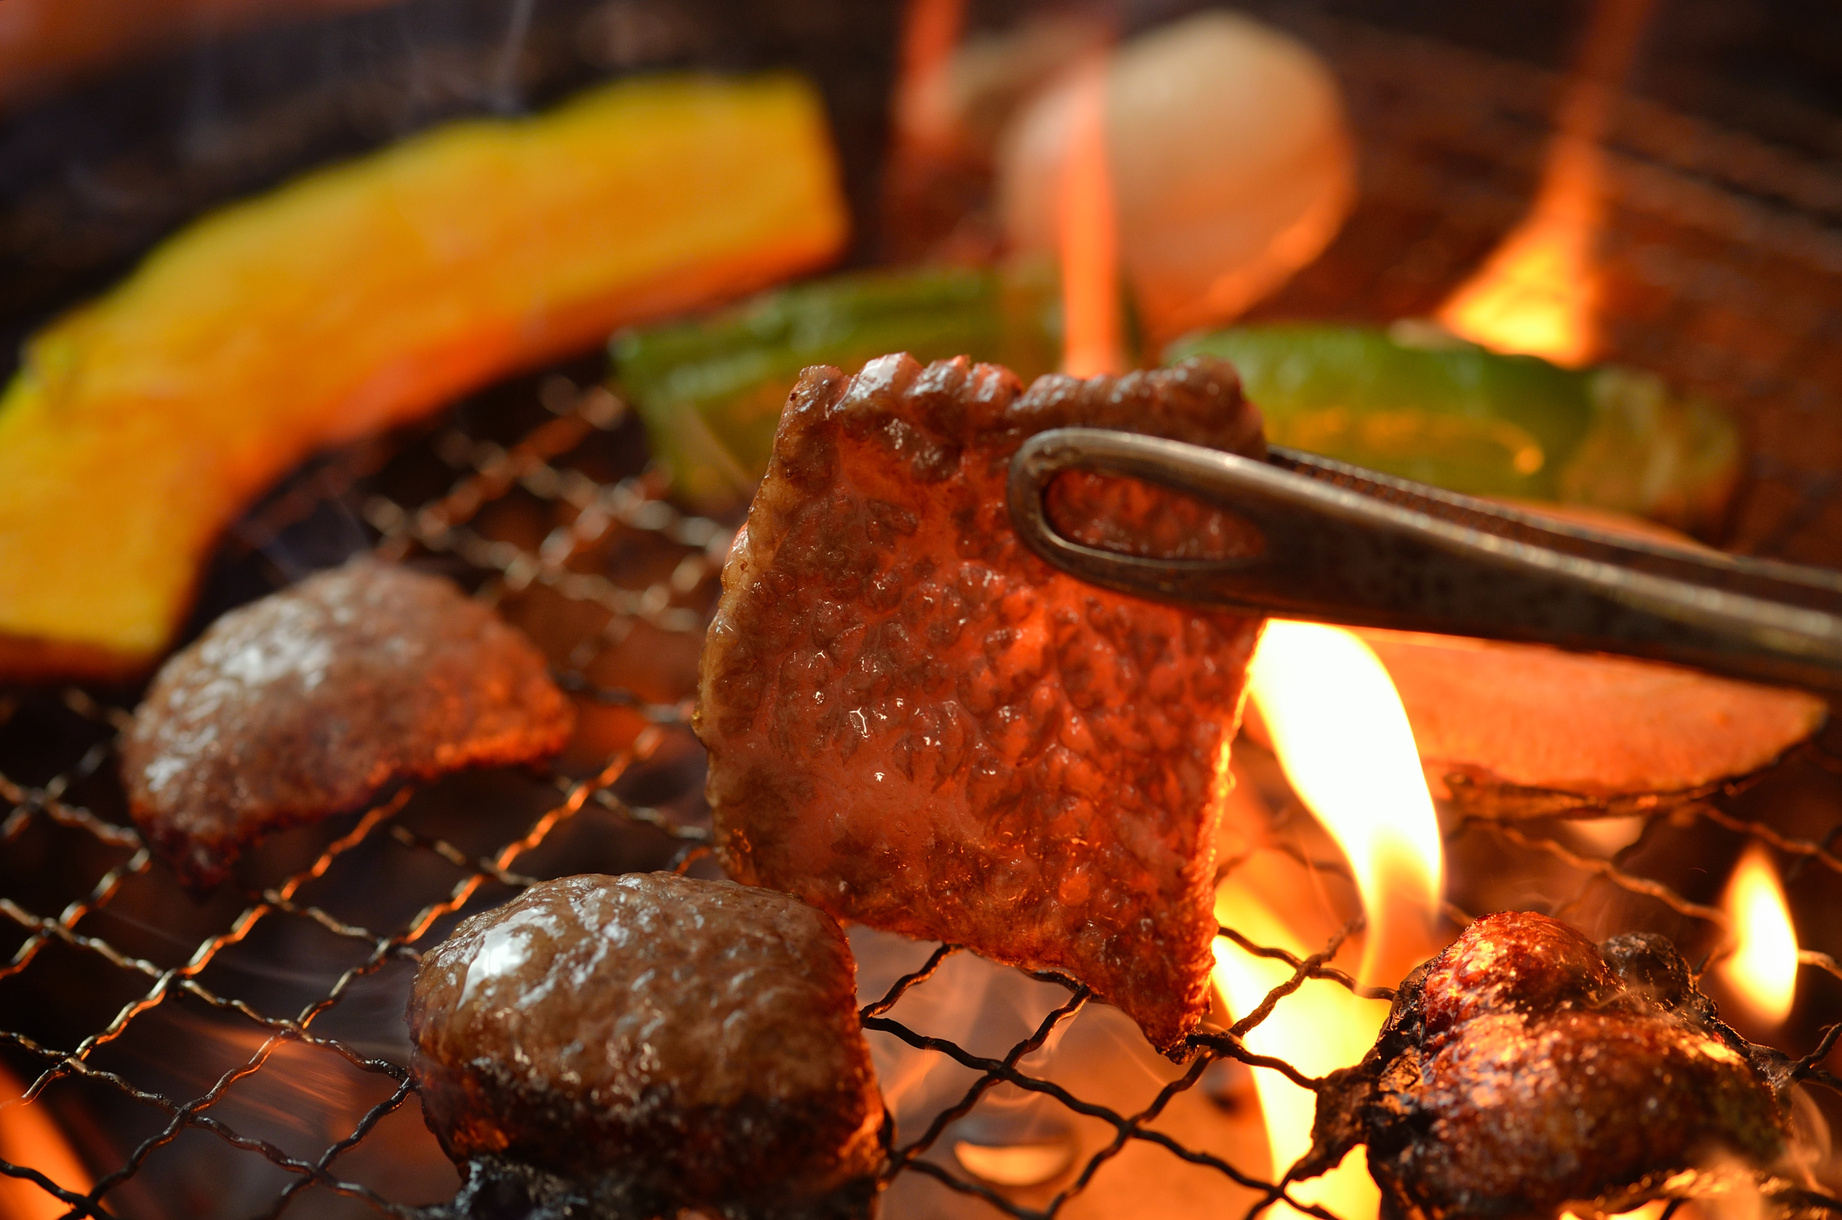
(592, 518)
(155, 1012)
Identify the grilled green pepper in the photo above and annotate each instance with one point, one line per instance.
(1446, 412)
(710, 390)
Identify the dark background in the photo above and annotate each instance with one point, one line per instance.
(94, 173)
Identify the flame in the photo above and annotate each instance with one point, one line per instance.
(29, 1137)
(1343, 740)
(1652, 1210)
(1538, 293)
(930, 31)
(1318, 1028)
(1762, 972)
(1088, 232)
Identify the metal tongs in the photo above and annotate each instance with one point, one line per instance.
(1339, 544)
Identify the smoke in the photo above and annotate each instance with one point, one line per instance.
(1098, 1056)
(985, 1008)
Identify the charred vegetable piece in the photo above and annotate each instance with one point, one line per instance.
(360, 297)
(631, 1046)
(307, 703)
(1539, 718)
(1457, 416)
(710, 391)
(1525, 1072)
(916, 724)
(1533, 728)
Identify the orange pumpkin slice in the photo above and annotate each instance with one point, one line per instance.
(357, 298)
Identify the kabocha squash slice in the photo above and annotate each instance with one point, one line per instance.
(1536, 719)
(1527, 721)
(1532, 730)
(357, 298)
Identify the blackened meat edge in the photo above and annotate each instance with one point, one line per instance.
(915, 723)
(1525, 1072)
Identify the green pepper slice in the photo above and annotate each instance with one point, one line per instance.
(1422, 405)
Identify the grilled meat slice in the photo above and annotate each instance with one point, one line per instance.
(915, 723)
(307, 703)
(1525, 1072)
(657, 1043)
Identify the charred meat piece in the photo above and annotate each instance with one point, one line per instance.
(916, 724)
(657, 1043)
(1525, 1072)
(307, 703)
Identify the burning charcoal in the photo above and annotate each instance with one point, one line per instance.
(635, 1045)
(309, 702)
(916, 724)
(1524, 1072)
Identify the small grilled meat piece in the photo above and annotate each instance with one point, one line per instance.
(1525, 1072)
(916, 724)
(307, 703)
(658, 1043)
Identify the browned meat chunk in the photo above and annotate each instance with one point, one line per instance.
(1524, 1072)
(307, 703)
(660, 1042)
(915, 723)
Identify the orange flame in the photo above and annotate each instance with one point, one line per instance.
(29, 1137)
(1762, 972)
(1088, 233)
(1538, 293)
(1318, 1028)
(1343, 740)
(1652, 1210)
(930, 31)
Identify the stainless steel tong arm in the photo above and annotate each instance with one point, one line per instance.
(1339, 544)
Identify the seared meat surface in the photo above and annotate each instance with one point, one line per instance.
(1525, 1072)
(307, 703)
(915, 723)
(660, 1042)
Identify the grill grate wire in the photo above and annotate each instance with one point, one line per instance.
(445, 526)
(547, 509)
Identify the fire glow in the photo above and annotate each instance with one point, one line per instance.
(931, 30)
(1342, 738)
(1538, 293)
(1762, 971)
(1318, 1028)
(29, 1136)
(1089, 233)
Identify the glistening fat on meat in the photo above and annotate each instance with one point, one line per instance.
(1525, 1072)
(916, 724)
(309, 702)
(634, 1045)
